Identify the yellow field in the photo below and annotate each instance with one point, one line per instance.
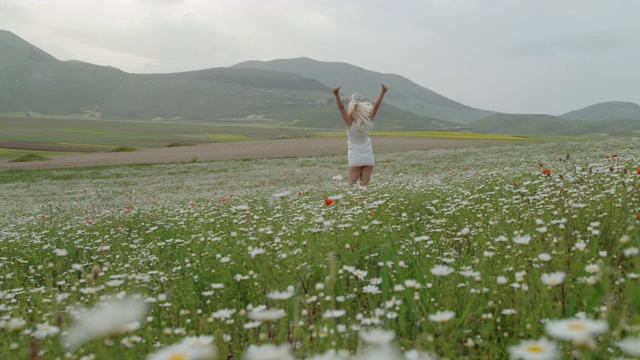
(226, 137)
(432, 134)
(15, 153)
(88, 145)
(82, 131)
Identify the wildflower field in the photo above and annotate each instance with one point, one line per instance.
(521, 252)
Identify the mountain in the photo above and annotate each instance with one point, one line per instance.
(547, 125)
(405, 94)
(32, 81)
(606, 111)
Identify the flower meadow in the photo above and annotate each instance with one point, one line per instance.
(520, 252)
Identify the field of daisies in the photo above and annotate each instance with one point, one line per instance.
(514, 252)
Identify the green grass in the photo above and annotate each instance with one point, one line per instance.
(9, 154)
(124, 149)
(107, 135)
(112, 133)
(176, 144)
(191, 240)
(227, 137)
(30, 157)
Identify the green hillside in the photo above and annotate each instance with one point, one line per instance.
(33, 82)
(405, 95)
(546, 125)
(16, 51)
(516, 124)
(613, 110)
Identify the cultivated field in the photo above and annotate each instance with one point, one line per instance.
(60, 136)
(526, 250)
(258, 149)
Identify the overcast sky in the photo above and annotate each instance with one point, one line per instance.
(516, 56)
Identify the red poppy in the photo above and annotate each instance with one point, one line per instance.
(607, 157)
(638, 171)
(546, 172)
(614, 156)
(328, 201)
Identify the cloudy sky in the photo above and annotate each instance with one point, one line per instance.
(517, 56)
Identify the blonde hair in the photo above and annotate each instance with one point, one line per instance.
(360, 110)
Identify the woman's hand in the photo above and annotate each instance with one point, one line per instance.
(336, 91)
(384, 88)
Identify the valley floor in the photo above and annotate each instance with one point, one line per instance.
(294, 147)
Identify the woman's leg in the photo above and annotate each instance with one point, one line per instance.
(354, 174)
(365, 175)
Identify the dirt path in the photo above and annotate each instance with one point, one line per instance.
(298, 147)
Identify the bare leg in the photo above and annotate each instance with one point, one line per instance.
(354, 174)
(365, 175)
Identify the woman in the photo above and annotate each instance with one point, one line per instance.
(359, 120)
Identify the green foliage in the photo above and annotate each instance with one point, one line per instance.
(176, 144)
(124, 149)
(30, 157)
(196, 241)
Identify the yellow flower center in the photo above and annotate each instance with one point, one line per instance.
(534, 348)
(553, 282)
(178, 356)
(576, 326)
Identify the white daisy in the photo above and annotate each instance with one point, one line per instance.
(534, 350)
(442, 316)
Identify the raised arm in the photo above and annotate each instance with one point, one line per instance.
(343, 111)
(374, 111)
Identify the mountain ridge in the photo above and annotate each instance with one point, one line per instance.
(43, 84)
(610, 110)
(281, 91)
(406, 94)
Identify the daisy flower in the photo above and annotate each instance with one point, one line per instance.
(44, 330)
(442, 316)
(104, 321)
(541, 349)
(575, 329)
(441, 270)
(553, 279)
(376, 337)
(268, 352)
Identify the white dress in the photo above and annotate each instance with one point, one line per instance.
(359, 148)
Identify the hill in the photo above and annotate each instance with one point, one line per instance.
(406, 94)
(606, 111)
(518, 124)
(32, 81)
(539, 125)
